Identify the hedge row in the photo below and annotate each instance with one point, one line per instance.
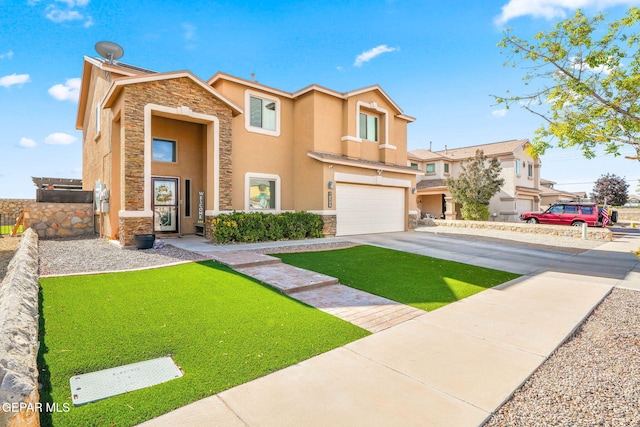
(261, 227)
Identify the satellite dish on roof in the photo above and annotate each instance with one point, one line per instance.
(110, 51)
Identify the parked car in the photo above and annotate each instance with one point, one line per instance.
(566, 214)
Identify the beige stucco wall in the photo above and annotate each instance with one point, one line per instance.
(190, 155)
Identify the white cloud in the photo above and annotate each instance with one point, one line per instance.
(7, 55)
(58, 16)
(69, 91)
(499, 113)
(550, 9)
(372, 53)
(27, 143)
(73, 3)
(189, 31)
(60, 138)
(583, 66)
(14, 79)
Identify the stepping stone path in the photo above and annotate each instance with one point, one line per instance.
(323, 292)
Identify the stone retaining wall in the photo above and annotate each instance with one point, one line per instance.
(19, 335)
(628, 214)
(14, 205)
(53, 220)
(593, 233)
(59, 220)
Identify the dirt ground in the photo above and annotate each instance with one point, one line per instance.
(8, 246)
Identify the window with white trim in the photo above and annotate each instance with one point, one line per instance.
(530, 170)
(368, 127)
(262, 193)
(430, 168)
(446, 168)
(518, 167)
(262, 113)
(414, 166)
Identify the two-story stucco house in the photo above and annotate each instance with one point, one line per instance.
(174, 151)
(521, 174)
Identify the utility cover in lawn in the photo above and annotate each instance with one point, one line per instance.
(99, 385)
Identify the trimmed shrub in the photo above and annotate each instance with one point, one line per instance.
(475, 212)
(260, 227)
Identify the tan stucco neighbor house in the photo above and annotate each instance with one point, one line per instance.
(550, 195)
(519, 193)
(167, 152)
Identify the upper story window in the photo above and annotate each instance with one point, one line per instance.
(163, 150)
(368, 127)
(517, 167)
(263, 115)
(414, 166)
(431, 168)
(530, 170)
(446, 168)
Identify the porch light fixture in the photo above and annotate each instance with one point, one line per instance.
(330, 184)
(379, 171)
(414, 190)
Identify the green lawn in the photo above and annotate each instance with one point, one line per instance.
(221, 328)
(420, 281)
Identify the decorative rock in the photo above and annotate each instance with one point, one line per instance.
(19, 332)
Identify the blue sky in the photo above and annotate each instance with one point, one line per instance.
(437, 59)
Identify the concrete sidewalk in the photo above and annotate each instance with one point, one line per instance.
(453, 366)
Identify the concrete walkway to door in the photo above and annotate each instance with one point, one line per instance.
(453, 366)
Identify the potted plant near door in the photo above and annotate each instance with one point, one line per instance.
(144, 241)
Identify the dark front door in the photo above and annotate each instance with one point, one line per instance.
(165, 205)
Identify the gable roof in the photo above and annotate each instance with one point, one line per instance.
(490, 150)
(423, 154)
(119, 68)
(117, 85)
(307, 89)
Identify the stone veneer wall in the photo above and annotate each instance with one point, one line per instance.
(129, 227)
(413, 221)
(330, 222)
(173, 93)
(593, 233)
(19, 336)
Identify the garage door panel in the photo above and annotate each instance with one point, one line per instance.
(365, 209)
(524, 205)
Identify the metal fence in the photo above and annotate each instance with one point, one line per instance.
(8, 221)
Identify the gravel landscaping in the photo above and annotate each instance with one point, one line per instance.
(8, 246)
(592, 380)
(58, 257)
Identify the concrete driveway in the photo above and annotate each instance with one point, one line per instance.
(604, 261)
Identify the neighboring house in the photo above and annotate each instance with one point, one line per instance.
(633, 201)
(161, 143)
(550, 195)
(521, 173)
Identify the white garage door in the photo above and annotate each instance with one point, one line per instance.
(523, 205)
(365, 209)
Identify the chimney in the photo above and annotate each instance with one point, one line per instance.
(430, 146)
